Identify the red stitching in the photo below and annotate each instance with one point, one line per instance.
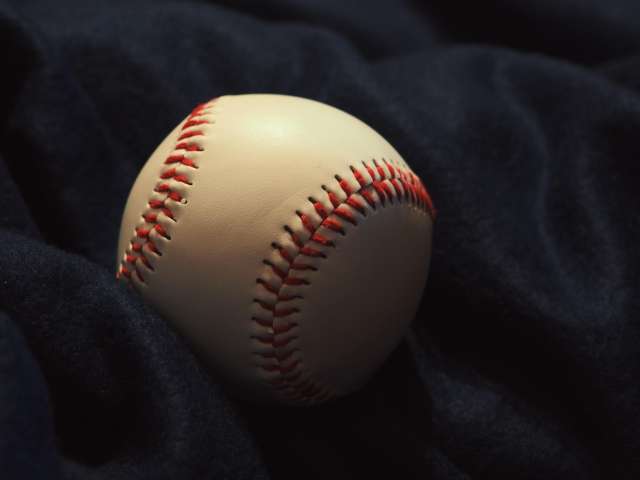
(334, 225)
(319, 208)
(193, 133)
(386, 183)
(383, 184)
(143, 234)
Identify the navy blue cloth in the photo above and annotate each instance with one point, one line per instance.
(522, 118)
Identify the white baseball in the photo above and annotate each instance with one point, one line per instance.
(285, 239)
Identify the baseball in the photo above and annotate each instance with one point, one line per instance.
(286, 240)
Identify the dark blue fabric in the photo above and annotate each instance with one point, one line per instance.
(523, 119)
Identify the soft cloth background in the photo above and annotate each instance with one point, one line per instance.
(523, 119)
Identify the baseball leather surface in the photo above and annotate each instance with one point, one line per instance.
(285, 239)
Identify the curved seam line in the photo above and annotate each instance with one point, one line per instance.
(142, 242)
(392, 183)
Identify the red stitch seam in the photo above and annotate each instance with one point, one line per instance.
(389, 184)
(142, 242)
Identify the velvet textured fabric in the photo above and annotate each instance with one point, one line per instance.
(522, 118)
